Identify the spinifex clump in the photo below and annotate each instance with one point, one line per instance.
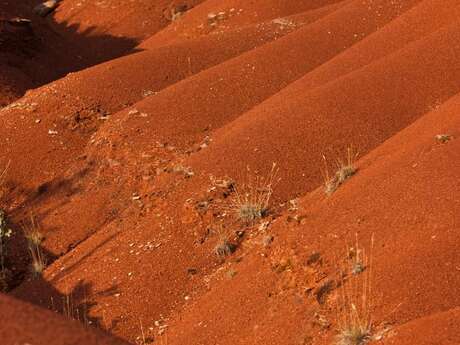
(344, 170)
(252, 200)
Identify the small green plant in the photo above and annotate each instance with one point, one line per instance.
(354, 299)
(344, 170)
(34, 240)
(252, 201)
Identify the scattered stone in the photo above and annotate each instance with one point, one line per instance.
(321, 321)
(19, 24)
(284, 23)
(282, 266)
(357, 268)
(212, 16)
(295, 218)
(187, 171)
(192, 271)
(314, 258)
(293, 205)
(267, 240)
(264, 226)
(443, 138)
(46, 8)
(147, 93)
(231, 273)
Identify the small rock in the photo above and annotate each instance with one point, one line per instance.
(267, 240)
(192, 271)
(147, 93)
(231, 273)
(46, 8)
(443, 138)
(240, 233)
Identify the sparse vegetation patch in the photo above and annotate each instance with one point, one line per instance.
(252, 200)
(354, 298)
(344, 170)
(34, 240)
(224, 246)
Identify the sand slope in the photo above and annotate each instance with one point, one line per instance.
(121, 164)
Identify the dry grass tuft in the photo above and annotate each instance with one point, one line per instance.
(224, 247)
(354, 299)
(73, 312)
(34, 240)
(174, 12)
(344, 170)
(252, 200)
(68, 309)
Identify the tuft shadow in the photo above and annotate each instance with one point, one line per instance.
(54, 193)
(90, 47)
(77, 303)
(59, 189)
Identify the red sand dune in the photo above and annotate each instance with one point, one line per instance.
(118, 162)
